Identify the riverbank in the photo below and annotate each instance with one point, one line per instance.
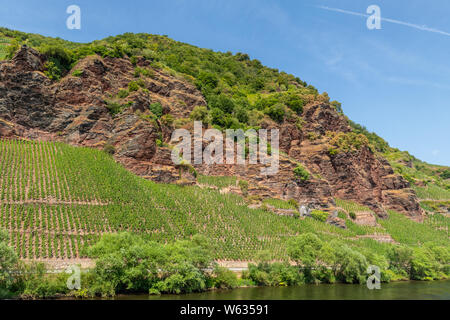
(400, 290)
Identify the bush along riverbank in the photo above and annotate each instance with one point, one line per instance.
(127, 264)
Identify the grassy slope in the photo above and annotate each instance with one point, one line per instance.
(3, 44)
(55, 198)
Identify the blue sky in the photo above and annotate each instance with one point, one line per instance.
(395, 81)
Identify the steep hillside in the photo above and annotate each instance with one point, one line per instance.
(55, 199)
(126, 94)
(430, 182)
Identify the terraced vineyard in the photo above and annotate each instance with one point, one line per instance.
(432, 192)
(351, 206)
(55, 199)
(3, 45)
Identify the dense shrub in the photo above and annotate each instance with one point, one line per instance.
(295, 103)
(199, 113)
(445, 174)
(224, 278)
(133, 86)
(218, 117)
(222, 102)
(128, 263)
(123, 93)
(116, 108)
(301, 173)
(157, 109)
(276, 112)
(52, 71)
(35, 282)
(319, 215)
(275, 274)
(8, 264)
(348, 142)
(350, 266)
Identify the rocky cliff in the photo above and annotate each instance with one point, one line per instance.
(77, 110)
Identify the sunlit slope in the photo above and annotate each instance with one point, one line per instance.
(55, 199)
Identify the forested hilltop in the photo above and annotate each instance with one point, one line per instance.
(94, 124)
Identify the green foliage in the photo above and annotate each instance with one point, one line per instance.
(224, 278)
(332, 152)
(294, 102)
(199, 113)
(133, 86)
(243, 185)
(77, 73)
(218, 117)
(379, 143)
(167, 120)
(352, 215)
(157, 109)
(304, 249)
(59, 61)
(8, 264)
(348, 142)
(432, 192)
(423, 265)
(276, 112)
(11, 49)
(350, 265)
(52, 71)
(445, 174)
(144, 72)
(301, 173)
(337, 105)
(319, 215)
(221, 102)
(128, 263)
(35, 283)
(123, 93)
(308, 250)
(275, 274)
(116, 108)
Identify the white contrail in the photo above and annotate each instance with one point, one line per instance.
(407, 24)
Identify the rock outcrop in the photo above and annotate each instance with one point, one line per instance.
(75, 110)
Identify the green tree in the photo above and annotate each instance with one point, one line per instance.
(276, 112)
(350, 265)
(304, 250)
(8, 264)
(199, 113)
(301, 173)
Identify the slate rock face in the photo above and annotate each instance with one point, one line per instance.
(75, 110)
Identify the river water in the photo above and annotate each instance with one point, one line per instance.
(408, 290)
